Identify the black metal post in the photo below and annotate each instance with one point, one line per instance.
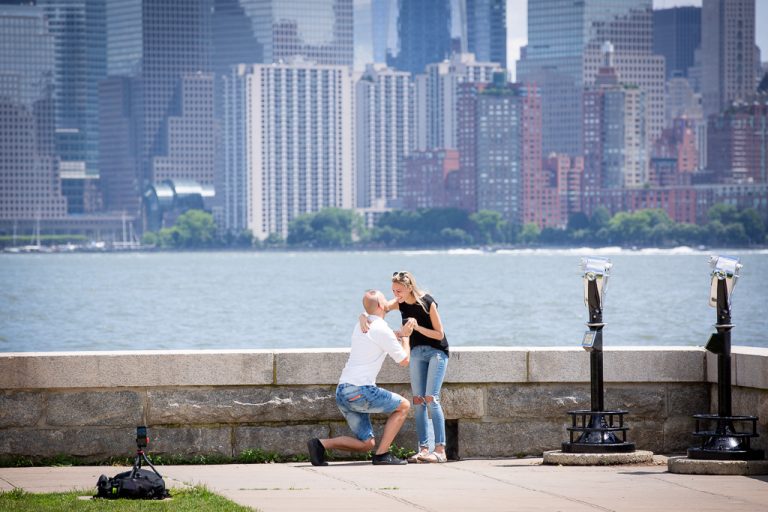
(596, 325)
(723, 328)
(725, 442)
(598, 434)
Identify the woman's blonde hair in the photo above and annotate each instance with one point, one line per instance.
(406, 279)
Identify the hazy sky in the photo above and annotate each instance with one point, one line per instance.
(517, 29)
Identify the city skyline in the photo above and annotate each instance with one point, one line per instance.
(517, 26)
(257, 112)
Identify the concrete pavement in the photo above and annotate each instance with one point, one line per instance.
(486, 485)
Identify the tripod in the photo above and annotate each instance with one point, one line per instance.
(141, 456)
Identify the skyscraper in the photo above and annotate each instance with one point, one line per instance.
(383, 133)
(563, 56)
(738, 142)
(159, 45)
(321, 31)
(290, 144)
(29, 176)
(234, 36)
(503, 149)
(119, 180)
(79, 31)
(487, 30)
(424, 34)
(439, 90)
(383, 27)
(184, 148)
(728, 52)
(676, 36)
(615, 147)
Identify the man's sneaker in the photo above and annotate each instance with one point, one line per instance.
(387, 459)
(316, 452)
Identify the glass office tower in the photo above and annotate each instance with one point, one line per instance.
(318, 30)
(29, 181)
(163, 48)
(487, 30)
(676, 36)
(424, 34)
(563, 55)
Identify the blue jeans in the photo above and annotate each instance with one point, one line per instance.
(428, 367)
(357, 403)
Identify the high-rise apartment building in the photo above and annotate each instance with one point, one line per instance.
(501, 150)
(737, 142)
(29, 174)
(487, 30)
(500, 158)
(728, 52)
(676, 36)
(429, 179)
(275, 31)
(563, 56)
(625, 154)
(424, 34)
(290, 144)
(438, 91)
(678, 144)
(383, 133)
(615, 147)
(566, 174)
(160, 45)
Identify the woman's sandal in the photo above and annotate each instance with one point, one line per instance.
(434, 457)
(417, 457)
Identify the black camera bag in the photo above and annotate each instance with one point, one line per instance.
(146, 485)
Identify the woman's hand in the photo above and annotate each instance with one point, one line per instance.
(409, 326)
(364, 322)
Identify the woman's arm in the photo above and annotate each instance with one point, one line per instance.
(363, 319)
(391, 305)
(436, 333)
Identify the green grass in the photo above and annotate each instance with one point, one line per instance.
(195, 499)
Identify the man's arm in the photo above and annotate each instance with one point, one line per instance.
(405, 341)
(386, 339)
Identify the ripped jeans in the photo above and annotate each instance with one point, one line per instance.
(427, 368)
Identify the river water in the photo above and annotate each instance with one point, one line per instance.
(239, 300)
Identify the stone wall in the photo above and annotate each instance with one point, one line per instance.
(498, 401)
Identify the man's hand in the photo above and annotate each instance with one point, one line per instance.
(408, 327)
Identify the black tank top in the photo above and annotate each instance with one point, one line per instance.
(422, 318)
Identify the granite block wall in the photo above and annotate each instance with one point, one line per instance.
(498, 401)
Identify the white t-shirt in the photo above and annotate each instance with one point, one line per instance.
(368, 353)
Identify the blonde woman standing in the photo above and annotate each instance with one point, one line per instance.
(429, 360)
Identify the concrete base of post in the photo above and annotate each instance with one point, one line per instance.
(558, 457)
(685, 466)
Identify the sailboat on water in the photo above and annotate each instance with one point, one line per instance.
(130, 240)
(37, 246)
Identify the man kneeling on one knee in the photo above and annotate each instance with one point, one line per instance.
(357, 394)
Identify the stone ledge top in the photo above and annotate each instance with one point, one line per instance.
(177, 368)
(109, 353)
